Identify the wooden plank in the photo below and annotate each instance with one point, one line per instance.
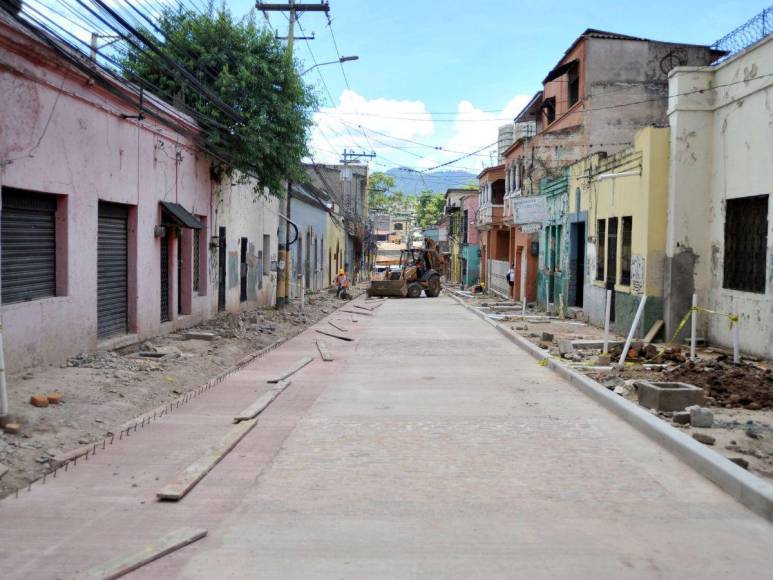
(338, 336)
(323, 351)
(358, 312)
(362, 307)
(195, 472)
(334, 325)
(122, 565)
(293, 369)
(264, 401)
(653, 332)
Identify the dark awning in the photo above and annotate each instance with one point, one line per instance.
(177, 215)
(561, 70)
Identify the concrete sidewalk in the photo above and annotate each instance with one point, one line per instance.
(431, 447)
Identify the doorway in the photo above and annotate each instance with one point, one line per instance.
(243, 271)
(221, 257)
(577, 265)
(112, 269)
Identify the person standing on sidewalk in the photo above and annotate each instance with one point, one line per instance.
(342, 284)
(511, 277)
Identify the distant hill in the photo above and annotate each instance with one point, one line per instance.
(412, 183)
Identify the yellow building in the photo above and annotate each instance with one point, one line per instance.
(617, 226)
(336, 236)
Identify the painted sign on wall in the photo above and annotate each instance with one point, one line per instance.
(530, 209)
(637, 274)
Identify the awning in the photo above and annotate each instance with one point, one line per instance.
(176, 215)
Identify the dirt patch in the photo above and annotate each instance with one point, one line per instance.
(746, 385)
(104, 389)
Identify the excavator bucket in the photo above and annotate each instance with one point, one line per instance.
(398, 288)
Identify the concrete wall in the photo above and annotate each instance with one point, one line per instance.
(65, 136)
(554, 245)
(334, 254)
(722, 148)
(312, 224)
(244, 213)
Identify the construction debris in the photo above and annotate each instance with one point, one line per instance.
(703, 438)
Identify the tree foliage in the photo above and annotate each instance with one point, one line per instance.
(430, 208)
(250, 71)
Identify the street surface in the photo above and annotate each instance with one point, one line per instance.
(431, 447)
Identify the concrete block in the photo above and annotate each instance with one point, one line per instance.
(12, 428)
(54, 398)
(667, 396)
(565, 346)
(199, 335)
(603, 360)
(681, 417)
(703, 438)
(701, 416)
(547, 336)
(39, 401)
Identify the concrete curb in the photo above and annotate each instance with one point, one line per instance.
(753, 492)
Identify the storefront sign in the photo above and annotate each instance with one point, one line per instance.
(530, 209)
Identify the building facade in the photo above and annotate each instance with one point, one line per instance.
(719, 243)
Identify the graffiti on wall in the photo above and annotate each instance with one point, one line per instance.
(637, 274)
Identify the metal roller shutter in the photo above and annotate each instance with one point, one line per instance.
(28, 245)
(112, 270)
(165, 277)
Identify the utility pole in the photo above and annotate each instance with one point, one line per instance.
(283, 259)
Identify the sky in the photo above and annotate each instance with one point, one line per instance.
(434, 79)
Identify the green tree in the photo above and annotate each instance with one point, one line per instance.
(379, 185)
(250, 71)
(429, 208)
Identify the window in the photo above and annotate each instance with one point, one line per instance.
(612, 251)
(746, 240)
(28, 245)
(398, 227)
(601, 244)
(266, 255)
(196, 248)
(465, 225)
(625, 251)
(573, 80)
(549, 107)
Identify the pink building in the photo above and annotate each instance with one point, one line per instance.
(469, 211)
(105, 208)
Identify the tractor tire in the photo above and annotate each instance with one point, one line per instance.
(433, 287)
(414, 290)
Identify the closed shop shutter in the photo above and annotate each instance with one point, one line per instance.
(112, 270)
(165, 277)
(28, 245)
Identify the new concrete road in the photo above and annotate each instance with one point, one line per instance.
(431, 447)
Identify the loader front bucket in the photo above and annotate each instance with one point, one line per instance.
(396, 288)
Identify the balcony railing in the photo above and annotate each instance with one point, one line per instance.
(490, 214)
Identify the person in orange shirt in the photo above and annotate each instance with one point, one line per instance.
(342, 284)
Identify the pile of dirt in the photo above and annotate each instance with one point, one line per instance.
(745, 385)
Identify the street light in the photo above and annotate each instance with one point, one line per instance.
(342, 59)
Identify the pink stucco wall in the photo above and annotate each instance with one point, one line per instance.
(470, 203)
(65, 136)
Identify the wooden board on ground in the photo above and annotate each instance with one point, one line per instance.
(326, 355)
(124, 564)
(361, 313)
(338, 336)
(362, 307)
(259, 405)
(195, 472)
(653, 332)
(334, 325)
(293, 369)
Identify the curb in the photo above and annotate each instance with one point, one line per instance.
(748, 489)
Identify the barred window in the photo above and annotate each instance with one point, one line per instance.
(601, 243)
(625, 251)
(746, 240)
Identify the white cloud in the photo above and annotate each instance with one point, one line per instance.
(382, 121)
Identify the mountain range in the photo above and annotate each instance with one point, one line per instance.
(412, 183)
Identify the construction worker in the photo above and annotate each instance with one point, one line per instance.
(342, 284)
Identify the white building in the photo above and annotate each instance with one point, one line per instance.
(720, 215)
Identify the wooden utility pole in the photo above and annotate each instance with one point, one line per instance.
(283, 259)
